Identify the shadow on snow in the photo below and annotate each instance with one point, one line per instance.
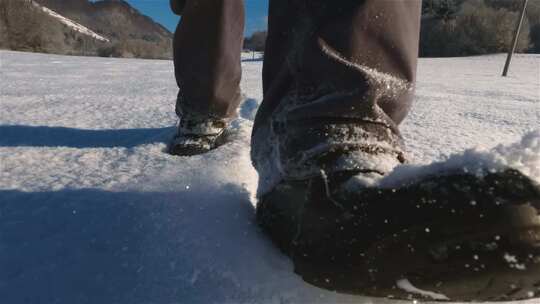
(43, 136)
(94, 246)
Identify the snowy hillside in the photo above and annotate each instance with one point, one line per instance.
(70, 23)
(106, 28)
(93, 211)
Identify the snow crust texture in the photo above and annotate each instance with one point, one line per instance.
(523, 156)
(93, 211)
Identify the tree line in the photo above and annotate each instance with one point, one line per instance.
(464, 28)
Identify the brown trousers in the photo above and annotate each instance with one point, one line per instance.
(344, 63)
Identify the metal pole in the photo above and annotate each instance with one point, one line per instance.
(516, 37)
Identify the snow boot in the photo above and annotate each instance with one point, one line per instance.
(197, 136)
(457, 236)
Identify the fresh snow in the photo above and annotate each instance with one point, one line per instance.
(70, 23)
(406, 285)
(523, 155)
(93, 211)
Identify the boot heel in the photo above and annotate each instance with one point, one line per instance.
(495, 258)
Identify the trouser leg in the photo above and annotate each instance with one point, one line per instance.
(207, 50)
(338, 79)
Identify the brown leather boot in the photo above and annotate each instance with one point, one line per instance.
(198, 135)
(456, 236)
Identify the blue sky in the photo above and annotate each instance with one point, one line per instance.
(256, 11)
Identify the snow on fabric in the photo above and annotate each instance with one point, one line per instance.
(93, 211)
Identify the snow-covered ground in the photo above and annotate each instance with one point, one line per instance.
(93, 211)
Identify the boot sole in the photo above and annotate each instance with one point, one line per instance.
(192, 150)
(492, 258)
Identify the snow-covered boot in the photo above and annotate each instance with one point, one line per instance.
(457, 236)
(198, 135)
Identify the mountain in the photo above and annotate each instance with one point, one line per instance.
(80, 27)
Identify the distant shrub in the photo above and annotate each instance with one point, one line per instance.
(441, 9)
(535, 39)
(473, 30)
(256, 42)
(487, 30)
(106, 51)
(533, 13)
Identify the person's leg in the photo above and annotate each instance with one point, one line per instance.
(177, 6)
(207, 50)
(207, 61)
(338, 79)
